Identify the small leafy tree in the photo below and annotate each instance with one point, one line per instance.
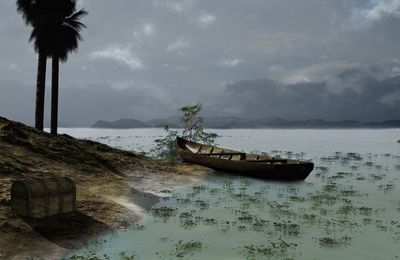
(192, 130)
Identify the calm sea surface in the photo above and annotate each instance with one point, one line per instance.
(348, 208)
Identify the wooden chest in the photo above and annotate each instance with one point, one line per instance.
(45, 197)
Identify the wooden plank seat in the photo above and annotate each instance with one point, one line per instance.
(269, 160)
(243, 154)
(236, 156)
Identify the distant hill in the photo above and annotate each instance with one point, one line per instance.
(121, 123)
(229, 122)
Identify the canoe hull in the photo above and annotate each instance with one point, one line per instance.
(288, 172)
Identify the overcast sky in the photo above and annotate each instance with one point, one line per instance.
(143, 59)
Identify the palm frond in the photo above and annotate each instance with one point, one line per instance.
(27, 9)
(68, 35)
(56, 25)
(78, 15)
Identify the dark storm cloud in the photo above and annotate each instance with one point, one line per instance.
(186, 51)
(365, 97)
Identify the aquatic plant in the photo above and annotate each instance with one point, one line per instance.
(89, 255)
(189, 248)
(323, 199)
(354, 156)
(396, 237)
(245, 218)
(287, 228)
(365, 211)
(202, 204)
(369, 164)
(334, 205)
(333, 242)
(376, 177)
(123, 256)
(347, 209)
(387, 187)
(331, 187)
(164, 212)
(348, 192)
(259, 224)
(137, 227)
(279, 248)
(210, 221)
(297, 199)
(199, 188)
(322, 169)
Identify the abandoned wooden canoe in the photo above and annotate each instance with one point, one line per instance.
(260, 166)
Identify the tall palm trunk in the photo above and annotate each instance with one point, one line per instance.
(40, 90)
(54, 94)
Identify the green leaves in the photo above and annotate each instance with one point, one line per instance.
(192, 130)
(163, 148)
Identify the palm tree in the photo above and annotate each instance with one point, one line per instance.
(55, 33)
(64, 39)
(31, 15)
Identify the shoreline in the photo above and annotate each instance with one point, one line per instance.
(113, 187)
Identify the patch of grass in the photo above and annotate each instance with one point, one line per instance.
(365, 211)
(344, 174)
(348, 192)
(164, 212)
(387, 188)
(137, 227)
(279, 248)
(333, 242)
(297, 199)
(376, 177)
(199, 188)
(202, 204)
(287, 228)
(188, 223)
(367, 221)
(323, 199)
(210, 221)
(331, 187)
(183, 249)
(124, 256)
(347, 209)
(183, 201)
(259, 224)
(354, 156)
(322, 169)
(245, 218)
(369, 164)
(89, 255)
(166, 191)
(281, 209)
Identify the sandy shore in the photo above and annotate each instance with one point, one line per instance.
(114, 189)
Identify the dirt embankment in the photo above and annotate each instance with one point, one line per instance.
(114, 188)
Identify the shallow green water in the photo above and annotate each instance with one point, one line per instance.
(349, 208)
